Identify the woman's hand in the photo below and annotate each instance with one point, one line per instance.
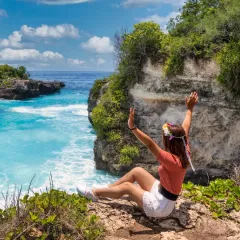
(191, 100)
(131, 118)
(190, 103)
(141, 136)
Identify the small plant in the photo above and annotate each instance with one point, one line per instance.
(127, 154)
(114, 136)
(221, 196)
(125, 160)
(6, 83)
(97, 87)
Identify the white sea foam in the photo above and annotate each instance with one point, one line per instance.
(53, 111)
(3, 180)
(80, 113)
(74, 166)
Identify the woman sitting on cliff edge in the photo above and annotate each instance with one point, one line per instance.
(157, 198)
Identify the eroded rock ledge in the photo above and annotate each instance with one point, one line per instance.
(123, 219)
(23, 89)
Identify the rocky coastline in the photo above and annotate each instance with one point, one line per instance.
(19, 89)
(214, 134)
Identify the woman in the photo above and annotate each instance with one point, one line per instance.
(157, 198)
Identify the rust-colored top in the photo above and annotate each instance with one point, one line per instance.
(171, 171)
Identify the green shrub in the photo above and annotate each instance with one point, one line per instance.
(127, 154)
(108, 114)
(229, 60)
(221, 196)
(97, 87)
(145, 41)
(201, 31)
(125, 160)
(106, 118)
(114, 136)
(8, 72)
(51, 214)
(174, 61)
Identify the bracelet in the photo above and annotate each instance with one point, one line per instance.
(132, 128)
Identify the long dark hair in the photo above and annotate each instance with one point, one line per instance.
(176, 145)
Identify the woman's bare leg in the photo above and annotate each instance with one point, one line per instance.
(134, 192)
(139, 175)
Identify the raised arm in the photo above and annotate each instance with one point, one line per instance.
(142, 137)
(190, 103)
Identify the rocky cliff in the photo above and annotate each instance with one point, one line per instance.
(22, 89)
(215, 131)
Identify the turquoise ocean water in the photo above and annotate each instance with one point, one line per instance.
(50, 134)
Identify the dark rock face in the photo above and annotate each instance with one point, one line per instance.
(215, 130)
(23, 89)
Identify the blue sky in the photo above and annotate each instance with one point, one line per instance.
(72, 34)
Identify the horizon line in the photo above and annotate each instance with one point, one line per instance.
(67, 71)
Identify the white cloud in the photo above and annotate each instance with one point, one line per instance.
(3, 13)
(49, 55)
(13, 40)
(76, 61)
(34, 59)
(140, 3)
(28, 55)
(45, 31)
(160, 19)
(62, 2)
(99, 45)
(100, 61)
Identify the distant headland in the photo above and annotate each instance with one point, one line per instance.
(15, 84)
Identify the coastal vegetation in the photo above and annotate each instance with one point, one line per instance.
(128, 153)
(8, 72)
(207, 30)
(220, 196)
(53, 214)
(108, 115)
(13, 87)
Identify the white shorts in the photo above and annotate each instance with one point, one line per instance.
(155, 204)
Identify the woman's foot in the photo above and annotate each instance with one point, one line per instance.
(87, 192)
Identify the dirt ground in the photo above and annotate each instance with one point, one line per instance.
(123, 219)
